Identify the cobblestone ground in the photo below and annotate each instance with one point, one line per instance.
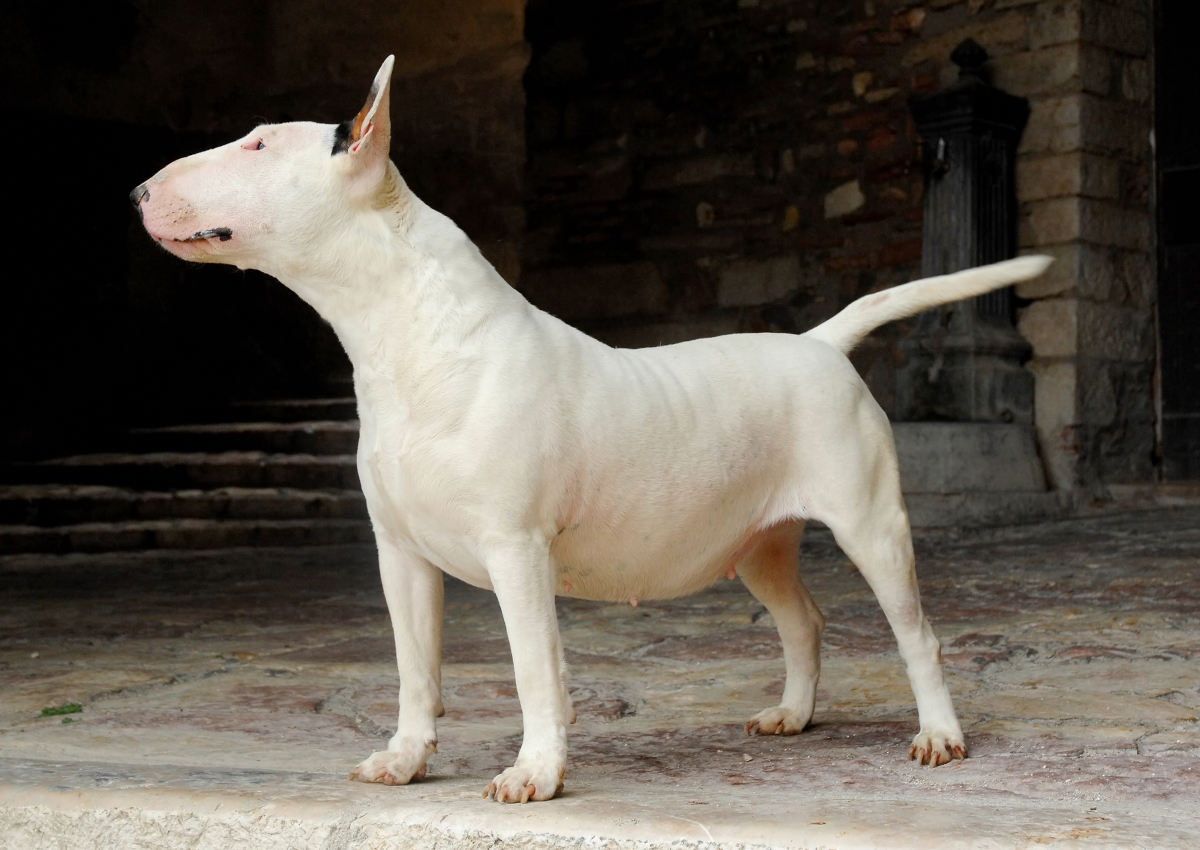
(1074, 651)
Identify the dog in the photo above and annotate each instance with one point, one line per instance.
(517, 454)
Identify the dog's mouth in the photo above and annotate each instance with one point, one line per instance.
(224, 234)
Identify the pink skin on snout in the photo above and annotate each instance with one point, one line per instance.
(185, 199)
(210, 207)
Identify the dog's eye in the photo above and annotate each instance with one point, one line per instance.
(255, 145)
(260, 145)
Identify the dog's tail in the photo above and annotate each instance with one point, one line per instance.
(847, 328)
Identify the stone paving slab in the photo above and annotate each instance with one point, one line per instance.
(225, 695)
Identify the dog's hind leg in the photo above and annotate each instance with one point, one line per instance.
(867, 516)
(771, 570)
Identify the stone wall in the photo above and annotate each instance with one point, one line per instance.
(1085, 187)
(745, 165)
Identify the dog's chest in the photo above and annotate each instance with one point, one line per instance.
(401, 485)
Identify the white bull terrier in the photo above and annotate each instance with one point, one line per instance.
(517, 454)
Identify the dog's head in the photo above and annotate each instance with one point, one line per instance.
(268, 198)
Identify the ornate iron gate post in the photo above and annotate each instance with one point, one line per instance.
(964, 359)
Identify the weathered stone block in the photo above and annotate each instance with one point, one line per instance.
(1070, 327)
(1054, 126)
(1057, 220)
(1116, 332)
(1135, 273)
(1056, 22)
(1118, 128)
(1057, 420)
(1120, 28)
(1051, 327)
(1068, 174)
(1095, 69)
(1050, 222)
(844, 199)
(1117, 409)
(595, 292)
(1135, 80)
(1107, 223)
(1050, 70)
(1099, 177)
(752, 282)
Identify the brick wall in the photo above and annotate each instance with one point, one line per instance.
(710, 167)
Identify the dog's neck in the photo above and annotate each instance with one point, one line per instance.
(405, 289)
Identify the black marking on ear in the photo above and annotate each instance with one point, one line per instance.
(341, 138)
(349, 132)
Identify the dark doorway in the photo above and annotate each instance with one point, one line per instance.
(101, 330)
(1178, 149)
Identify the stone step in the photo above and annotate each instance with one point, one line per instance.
(296, 409)
(48, 505)
(181, 534)
(329, 437)
(981, 510)
(193, 470)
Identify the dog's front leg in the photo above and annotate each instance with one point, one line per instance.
(523, 579)
(413, 589)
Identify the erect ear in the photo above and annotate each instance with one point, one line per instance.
(368, 136)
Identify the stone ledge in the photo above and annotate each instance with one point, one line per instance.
(967, 457)
(171, 807)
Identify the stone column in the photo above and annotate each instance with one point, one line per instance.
(964, 359)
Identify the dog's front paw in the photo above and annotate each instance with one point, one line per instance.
(527, 780)
(934, 748)
(395, 767)
(779, 720)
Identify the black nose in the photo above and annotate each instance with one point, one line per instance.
(141, 193)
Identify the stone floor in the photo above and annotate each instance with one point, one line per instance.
(225, 695)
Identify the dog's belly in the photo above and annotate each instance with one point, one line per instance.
(585, 572)
(643, 559)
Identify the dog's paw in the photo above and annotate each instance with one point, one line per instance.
(526, 781)
(933, 748)
(776, 721)
(395, 767)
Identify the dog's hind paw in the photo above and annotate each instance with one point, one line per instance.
(933, 749)
(394, 767)
(779, 720)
